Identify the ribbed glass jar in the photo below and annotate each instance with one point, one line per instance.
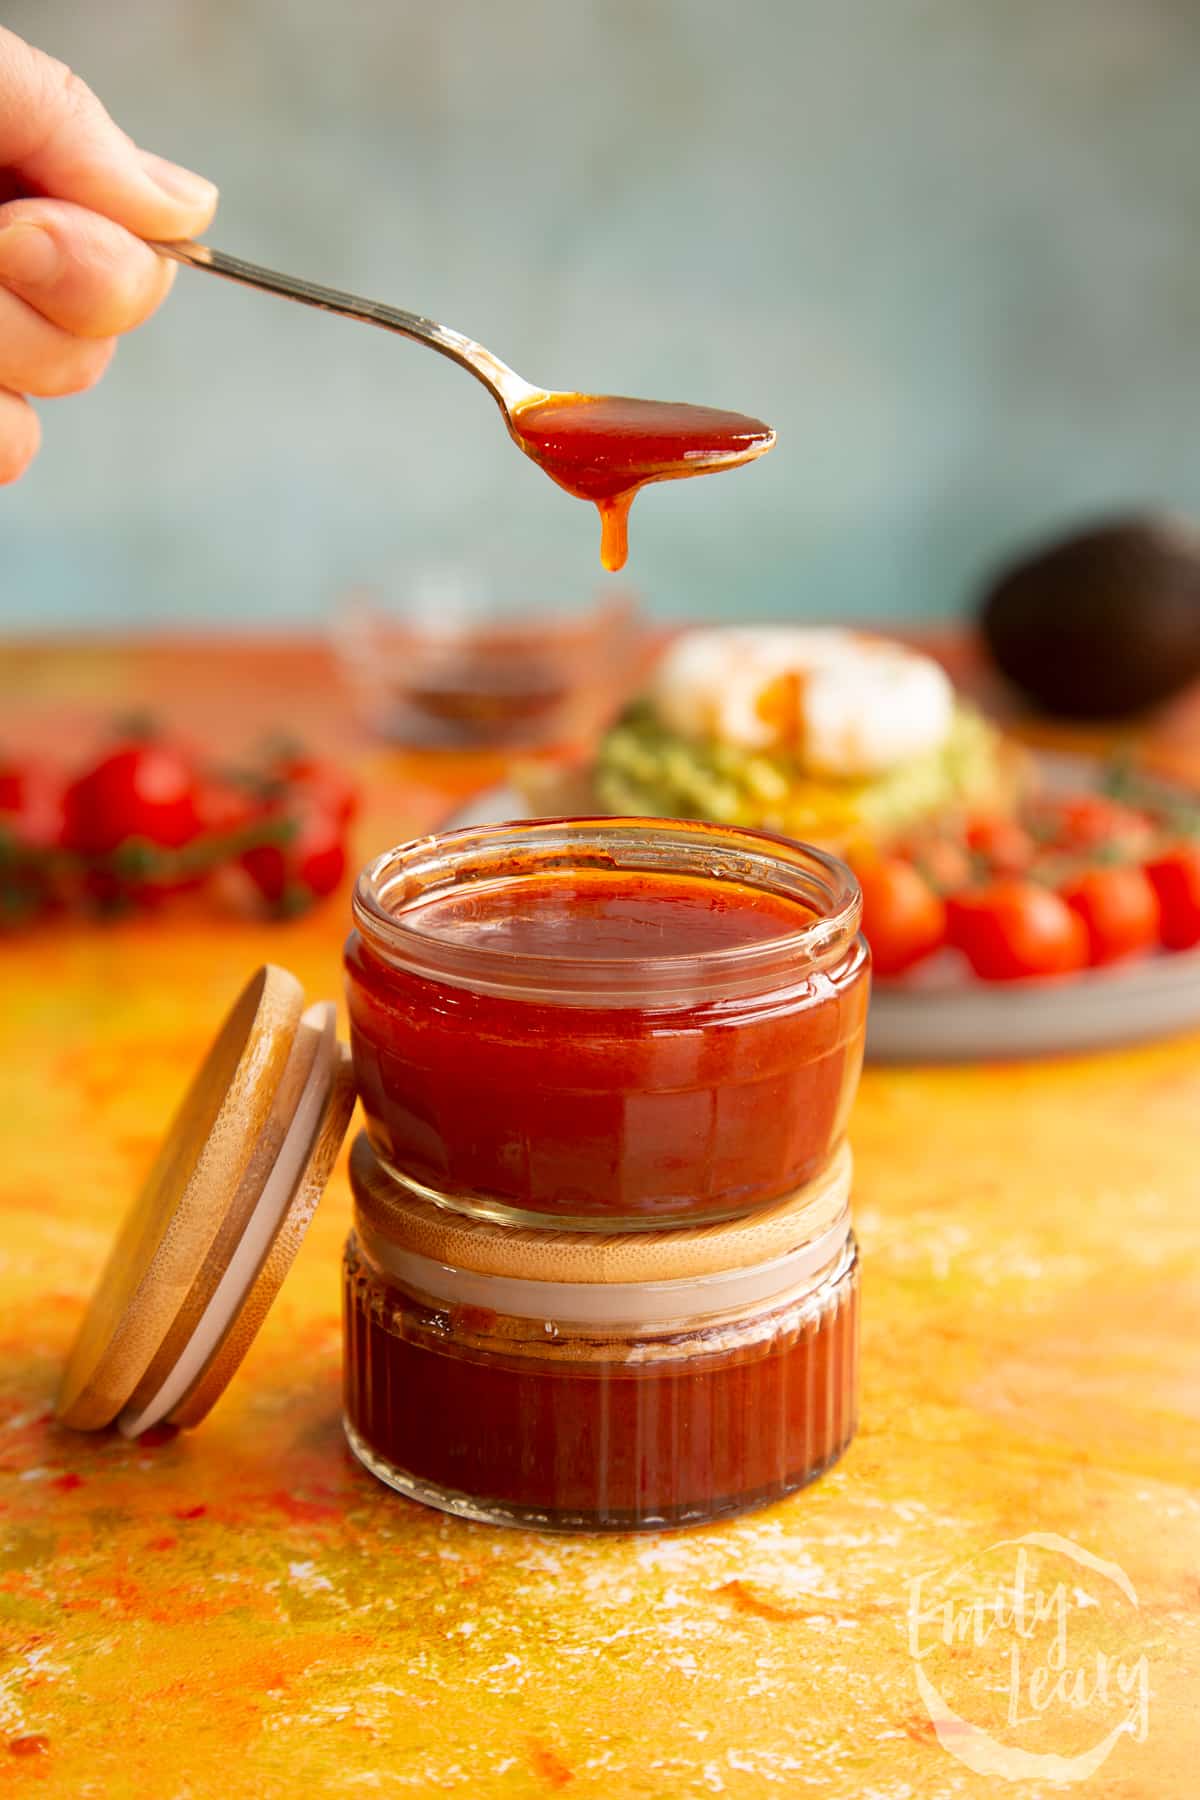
(608, 1405)
(683, 1043)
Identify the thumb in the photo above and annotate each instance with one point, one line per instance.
(58, 139)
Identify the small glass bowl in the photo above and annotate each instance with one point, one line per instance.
(467, 659)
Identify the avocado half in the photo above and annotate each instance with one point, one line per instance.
(1103, 623)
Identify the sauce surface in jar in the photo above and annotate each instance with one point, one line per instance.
(596, 914)
(593, 1044)
(604, 447)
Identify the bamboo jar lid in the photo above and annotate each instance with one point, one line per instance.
(406, 1221)
(207, 1242)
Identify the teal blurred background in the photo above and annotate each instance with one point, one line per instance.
(952, 251)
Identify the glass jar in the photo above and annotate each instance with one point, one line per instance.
(606, 1023)
(517, 1378)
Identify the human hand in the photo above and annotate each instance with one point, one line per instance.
(76, 195)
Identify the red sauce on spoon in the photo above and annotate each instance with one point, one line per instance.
(603, 448)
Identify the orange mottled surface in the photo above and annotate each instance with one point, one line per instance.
(243, 1612)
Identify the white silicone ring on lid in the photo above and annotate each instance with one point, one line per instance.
(238, 1278)
(613, 1303)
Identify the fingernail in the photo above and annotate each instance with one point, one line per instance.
(181, 184)
(29, 255)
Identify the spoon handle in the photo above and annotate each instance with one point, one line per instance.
(505, 386)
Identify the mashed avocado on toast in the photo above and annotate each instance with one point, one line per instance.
(645, 768)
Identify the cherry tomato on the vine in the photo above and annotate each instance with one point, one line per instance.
(943, 861)
(302, 867)
(904, 919)
(139, 790)
(1093, 822)
(1175, 876)
(319, 785)
(31, 805)
(1011, 929)
(1004, 845)
(227, 808)
(1119, 909)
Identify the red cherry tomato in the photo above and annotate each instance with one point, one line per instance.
(13, 780)
(319, 785)
(319, 856)
(1011, 929)
(943, 861)
(30, 824)
(227, 808)
(1089, 821)
(142, 790)
(1119, 909)
(306, 867)
(1003, 844)
(904, 919)
(266, 865)
(31, 805)
(1175, 877)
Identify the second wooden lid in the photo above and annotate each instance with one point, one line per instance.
(408, 1222)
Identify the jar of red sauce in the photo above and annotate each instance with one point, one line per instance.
(557, 1380)
(606, 1023)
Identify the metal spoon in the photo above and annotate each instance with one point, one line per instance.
(505, 386)
(596, 446)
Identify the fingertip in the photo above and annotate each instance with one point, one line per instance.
(20, 436)
(193, 197)
(91, 366)
(77, 154)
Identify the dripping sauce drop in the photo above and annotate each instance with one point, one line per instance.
(604, 447)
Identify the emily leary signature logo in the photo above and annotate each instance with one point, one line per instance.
(1024, 1662)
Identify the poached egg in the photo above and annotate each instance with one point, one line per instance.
(843, 704)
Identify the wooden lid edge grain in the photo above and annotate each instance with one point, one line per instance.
(170, 1228)
(418, 1225)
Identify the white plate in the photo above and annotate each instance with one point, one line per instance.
(940, 1015)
